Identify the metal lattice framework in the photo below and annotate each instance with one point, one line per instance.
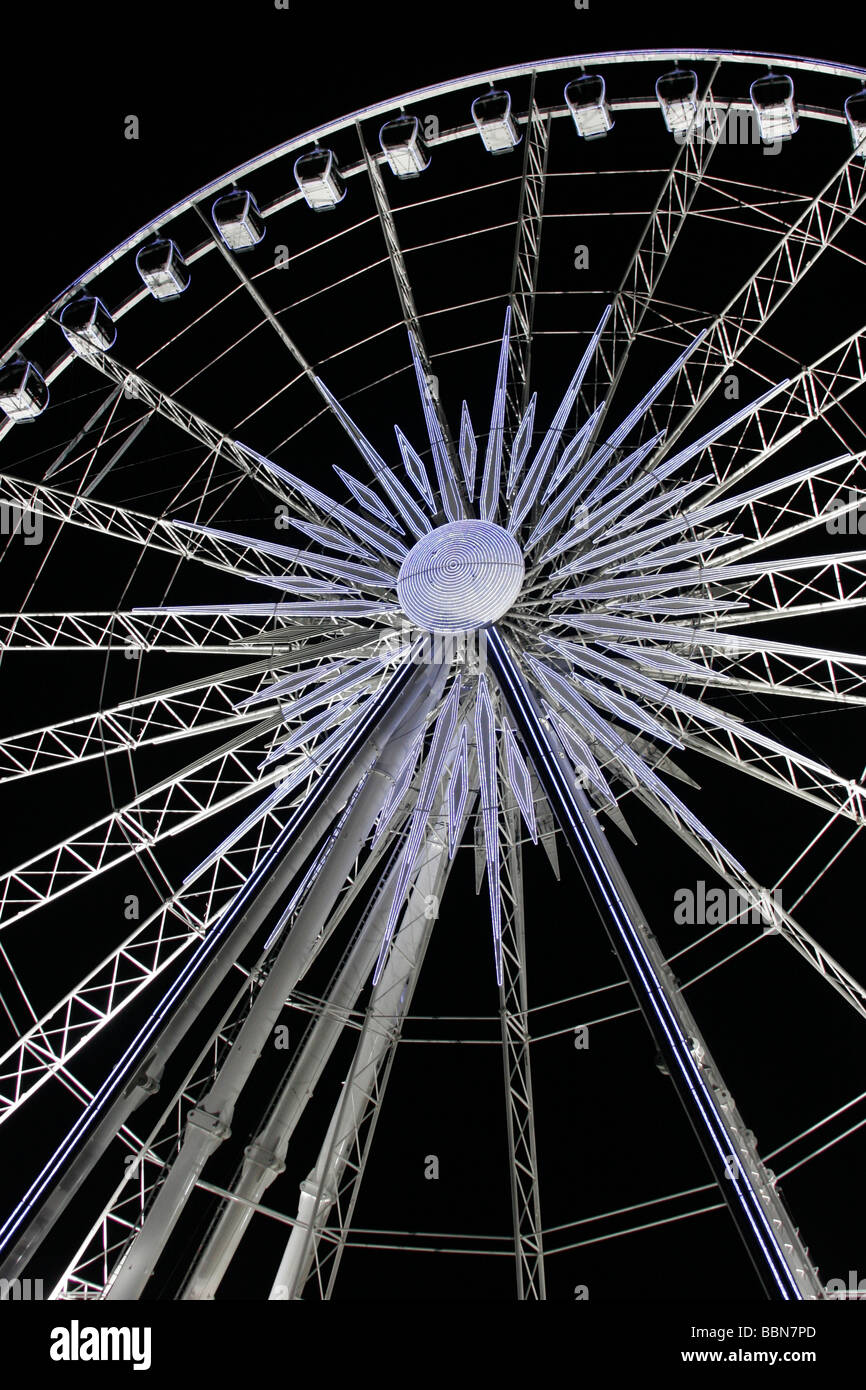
(661, 476)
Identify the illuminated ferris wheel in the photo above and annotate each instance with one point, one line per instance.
(422, 490)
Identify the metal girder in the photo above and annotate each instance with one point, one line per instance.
(761, 1219)
(91, 1269)
(88, 1272)
(736, 748)
(807, 494)
(782, 668)
(328, 1196)
(216, 633)
(524, 269)
(208, 1125)
(828, 494)
(832, 582)
(264, 1157)
(403, 285)
(778, 920)
(812, 394)
(210, 784)
(195, 426)
(182, 918)
(201, 705)
(747, 312)
(48, 1042)
(755, 207)
(171, 806)
(141, 1066)
(395, 256)
(639, 283)
(46, 1047)
(212, 548)
(251, 560)
(514, 1022)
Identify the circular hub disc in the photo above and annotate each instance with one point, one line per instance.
(461, 576)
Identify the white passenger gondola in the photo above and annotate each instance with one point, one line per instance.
(677, 95)
(585, 96)
(491, 113)
(238, 220)
(318, 178)
(23, 390)
(855, 113)
(773, 100)
(403, 147)
(87, 324)
(162, 268)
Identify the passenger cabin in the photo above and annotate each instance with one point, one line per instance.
(162, 268)
(585, 97)
(491, 113)
(677, 95)
(855, 114)
(773, 100)
(87, 324)
(403, 147)
(318, 178)
(23, 391)
(237, 219)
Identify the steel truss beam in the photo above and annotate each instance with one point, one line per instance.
(514, 1022)
(397, 259)
(137, 1073)
(725, 661)
(92, 1266)
(838, 795)
(811, 584)
(46, 1045)
(264, 1158)
(764, 1225)
(210, 784)
(524, 270)
(812, 394)
(799, 503)
(329, 1194)
(209, 1124)
(748, 311)
(777, 920)
(203, 704)
(408, 307)
(195, 426)
(89, 1271)
(216, 633)
(258, 560)
(637, 289)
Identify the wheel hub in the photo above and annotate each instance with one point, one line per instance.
(462, 576)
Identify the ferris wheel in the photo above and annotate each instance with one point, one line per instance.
(419, 492)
